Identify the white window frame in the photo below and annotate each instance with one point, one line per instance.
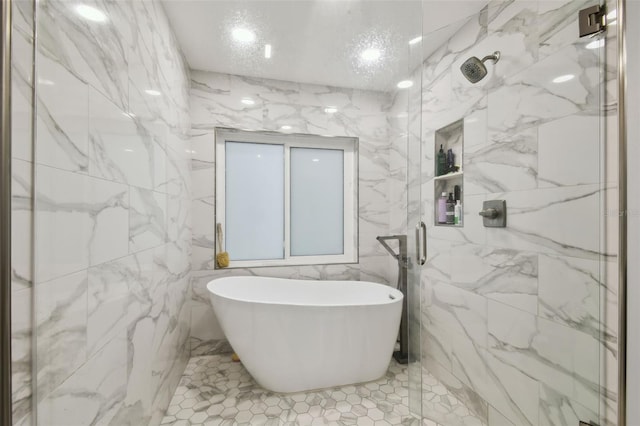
(349, 145)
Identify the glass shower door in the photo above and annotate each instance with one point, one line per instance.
(512, 319)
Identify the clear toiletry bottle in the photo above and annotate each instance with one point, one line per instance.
(442, 208)
(457, 213)
(441, 162)
(450, 209)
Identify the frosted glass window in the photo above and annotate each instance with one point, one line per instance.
(254, 209)
(286, 199)
(317, 202)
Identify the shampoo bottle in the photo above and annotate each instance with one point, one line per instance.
(457, 213)
(450, 166)
(441, 162)
(451, 205)
(442, 208)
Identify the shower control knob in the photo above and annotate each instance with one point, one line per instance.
(489, 213)
(494, 213)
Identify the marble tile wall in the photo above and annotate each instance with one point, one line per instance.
(519, 322)
(22, 209)
(216, 101)
(633, 244)
(112, 217)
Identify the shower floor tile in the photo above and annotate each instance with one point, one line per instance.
(216, 391)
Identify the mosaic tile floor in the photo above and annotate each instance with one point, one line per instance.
(216, 391)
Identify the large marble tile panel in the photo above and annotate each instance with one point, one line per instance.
(573, 137)
(61, 321)
(62, 119)
(212, 83)
(558, 409)
(497, 419)
(546, 221)
(179, 216)
(467, 361)
(203, 181)
(118, 294)
(94, 394)
(512, 30)
(436, 345)
(558, 24)
(439, 381)
(204, 323)
(80, 221)
(505, 275)
(203, 154)
(458, 311)
(512, 392)
(21, 80)
(267, 90)
(121, 150)
(96, 52)
(227, 111)
(565, 359)
(508, 162)
(569, 292)
(563, 84)
(141, 383)
(21, 225)
(373, 268)
(158, 82)
(171, 345)
(178, 167)
(148, 219)
(21, 354)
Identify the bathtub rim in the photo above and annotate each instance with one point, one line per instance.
(398, 296)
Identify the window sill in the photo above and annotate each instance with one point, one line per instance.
(297, 261)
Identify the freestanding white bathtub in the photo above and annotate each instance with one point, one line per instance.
(296, 335)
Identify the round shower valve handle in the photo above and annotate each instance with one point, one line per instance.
(489, 213)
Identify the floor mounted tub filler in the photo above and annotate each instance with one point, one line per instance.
(298, 335)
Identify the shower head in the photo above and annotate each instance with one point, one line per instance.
(474, 69)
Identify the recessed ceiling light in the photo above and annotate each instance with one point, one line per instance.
(248, 101)
(595, 44)
(563, 78)
(286, 127)
(415, 40)
(91, 13)
(331, 110)
(371, 54)
(152, 92)
(405, 84)
(267, 51)
(243, 35)
(315, 160)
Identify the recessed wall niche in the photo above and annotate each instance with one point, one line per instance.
(449, 143)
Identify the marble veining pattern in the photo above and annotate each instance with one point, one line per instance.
(22, 211)
(216, 101)
(113, 178)
(517, 322)
(216, 391)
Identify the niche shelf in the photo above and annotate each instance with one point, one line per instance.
(450, 137)
(453, 175)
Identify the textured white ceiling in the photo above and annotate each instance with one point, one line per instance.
(313, 41)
